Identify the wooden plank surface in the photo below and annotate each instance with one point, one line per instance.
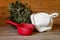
(8, 33)
(49, 6)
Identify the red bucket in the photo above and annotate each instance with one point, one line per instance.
(23, 28)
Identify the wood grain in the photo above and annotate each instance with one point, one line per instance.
(8, 33)
(49, 6)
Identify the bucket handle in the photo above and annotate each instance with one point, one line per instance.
(54, 15)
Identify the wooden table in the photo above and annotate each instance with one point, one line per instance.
(8, 33)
